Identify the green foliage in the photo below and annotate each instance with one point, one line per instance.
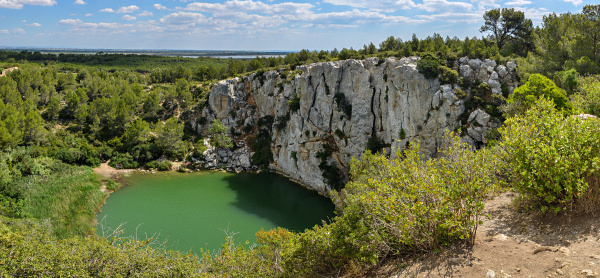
(551, 159)
(428, 65)
(330, 172)
(294, 104)
(340, 134)
(397, 207)
(508, 26)
(587, 99)
(448, 75)
(28, 249)
(261, 145)
(539, 86)
(111, 185)
(219, 137)
(402, 134)
(567, 80)
(375, 144)
(125, 160)
(160, 165)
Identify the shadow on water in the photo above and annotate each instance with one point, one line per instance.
(279, 200)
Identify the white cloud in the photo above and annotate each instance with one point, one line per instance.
(128, 17)
(4, 31)
(18, 31)
(128, 9)
(146, 13)
(35, 24)
(79, 2)
(518, 3)
(18, 4)
(389, 5)
(251, 6)
(159, 7)
(183, 18)
(88, 14)
(575, 2)
(444, 5)
(454, 17)
(107, 10)
(69, 21)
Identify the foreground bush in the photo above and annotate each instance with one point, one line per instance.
(28, 249)
(397, 207)
(553, 160)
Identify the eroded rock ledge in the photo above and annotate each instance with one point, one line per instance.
(342, 104)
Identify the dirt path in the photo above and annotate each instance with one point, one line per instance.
(7, 70)
(514, 244)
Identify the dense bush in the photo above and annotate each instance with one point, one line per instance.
(219, 137)
(375, 144)
(537, 86)
(553, 160)
(27, 249)
(111, 185)
(398, 207)
(448, 75)
(428, 65)
(163, 165)
(587, 99)
(125, 160)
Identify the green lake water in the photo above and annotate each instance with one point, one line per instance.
(192, 210)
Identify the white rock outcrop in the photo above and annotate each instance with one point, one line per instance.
(343, 104)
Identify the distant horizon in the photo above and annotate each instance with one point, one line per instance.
(133, 49)
(249, 25)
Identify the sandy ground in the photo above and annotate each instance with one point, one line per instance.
(514, 244)
(7, 70)
(110, 173)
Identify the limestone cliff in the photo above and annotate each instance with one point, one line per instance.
(342, 104)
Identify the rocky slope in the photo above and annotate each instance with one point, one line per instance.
(339, 106)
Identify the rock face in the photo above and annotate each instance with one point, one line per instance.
(343, 104)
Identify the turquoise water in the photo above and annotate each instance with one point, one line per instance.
(195, 210)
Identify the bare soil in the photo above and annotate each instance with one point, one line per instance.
(7, 70)
(514, 244)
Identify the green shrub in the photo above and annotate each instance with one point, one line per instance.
(111, 185)
(219, 137)
(163, 165)
(448, 75)
(587, 99)
(397, 207)
(402, 134)
(428, 65)
(125, 160)
(28, 249)
(539, 86)
(294, 104)
(375, 144)
(261, 145)
(552, 158)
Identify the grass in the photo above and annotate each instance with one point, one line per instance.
(69, 197)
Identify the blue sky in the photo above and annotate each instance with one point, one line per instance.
(248, 24)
